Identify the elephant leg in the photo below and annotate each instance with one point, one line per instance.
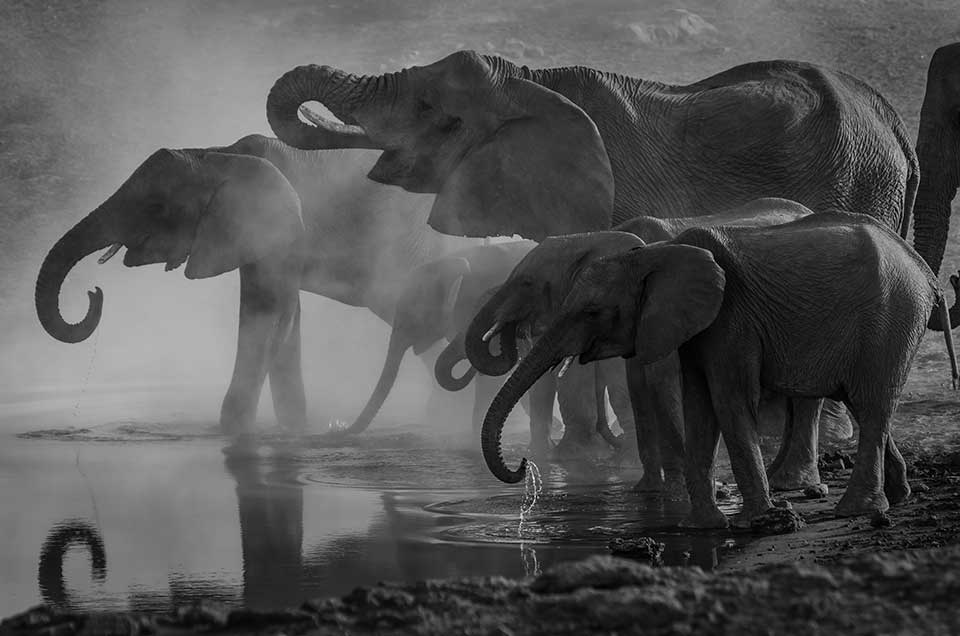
(286, 380)
(662, 382)
(614, 378)
(268, 307)
(485, 388)
(796, 464)
(541, 396)
(737, 417)
(836, 424)
(865, 493)
(646, 427)
(701, 436)
(895, 484)
(576, 394)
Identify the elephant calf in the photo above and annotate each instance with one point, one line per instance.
(832, 305)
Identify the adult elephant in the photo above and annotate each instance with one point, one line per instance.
(938, 149)
(287, 219)
(536, 152)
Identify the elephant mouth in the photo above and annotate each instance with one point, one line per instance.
(139, 254)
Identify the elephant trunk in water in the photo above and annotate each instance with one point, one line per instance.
(478, 348)
(938, 150)
(388, 376)
(81, 240)
(453, 354)
(50, 574)
(544, 355)
(341, 92)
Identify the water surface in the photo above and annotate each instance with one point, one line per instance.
(177, 518)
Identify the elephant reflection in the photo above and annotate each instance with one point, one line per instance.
(278, 572)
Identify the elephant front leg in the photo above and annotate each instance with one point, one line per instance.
(267, 312)
(795, 467)
(542, 395)
(661, 382)
(701, 437)
(645, 426)
(739, 427)
(286, 377)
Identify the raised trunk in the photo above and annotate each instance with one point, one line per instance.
(388, 375)
(543, 356)
(478, 351)
(83, 239)
(451, 355)
(341, 92)
(50, 573)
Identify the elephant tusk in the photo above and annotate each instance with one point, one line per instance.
(566, 365)
(492, 331)
(110, 253)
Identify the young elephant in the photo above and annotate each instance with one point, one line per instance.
(532, 297)
(832, 305)
(438, 301)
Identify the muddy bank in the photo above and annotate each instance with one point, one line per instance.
(899, 592)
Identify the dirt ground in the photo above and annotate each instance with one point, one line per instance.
(88, 89)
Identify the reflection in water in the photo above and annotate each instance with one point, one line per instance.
(62, 537)
(304, 533)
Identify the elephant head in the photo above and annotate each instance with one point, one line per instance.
(425, 313)
(61, 538)
(212, 210)
(533, 292)
(938, 150)
(643, 303)
(504, 154)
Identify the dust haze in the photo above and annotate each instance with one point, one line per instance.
(90, 89)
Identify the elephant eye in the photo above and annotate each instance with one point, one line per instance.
(423, 106)
(449, 124)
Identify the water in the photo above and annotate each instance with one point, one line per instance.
(181, 519)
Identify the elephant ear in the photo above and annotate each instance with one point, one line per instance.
(253, 213)
(543, 171)
(683, 291)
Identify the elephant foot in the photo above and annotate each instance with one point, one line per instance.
(650, 482)
(786, 477)
(896, 493)
(857, 502)
(752, 510)
(705, 519)
(570, 447)
(774, 520)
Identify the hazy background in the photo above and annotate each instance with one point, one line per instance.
(88, 89)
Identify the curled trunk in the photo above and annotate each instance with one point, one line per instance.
(341, 92)
(542, 357)
(50, 574)
(478, 351)
(388, 376)
(453, 354)
(83, 239)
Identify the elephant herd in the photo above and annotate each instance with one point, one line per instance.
(713, 255)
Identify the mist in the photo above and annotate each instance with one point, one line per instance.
(90, 89)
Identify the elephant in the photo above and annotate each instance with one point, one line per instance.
(938, 150)
(541, 152)
(744, 307)
(532, 296)
(438, 301)
(259, 206)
